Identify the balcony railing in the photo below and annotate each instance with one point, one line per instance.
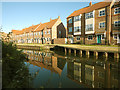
(89, 29)
(77, 30)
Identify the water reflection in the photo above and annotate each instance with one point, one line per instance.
(55, 70)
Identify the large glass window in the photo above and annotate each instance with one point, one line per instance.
(70, 20)
(102, 25)
(89, 27)
(70, 29)
(117, 10)
(77, 29)
(117, 23)
(89, 15)
(77, 18)
(102, 13)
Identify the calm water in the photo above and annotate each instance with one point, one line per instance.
(57, 70)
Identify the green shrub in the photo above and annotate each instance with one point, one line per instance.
(14, 72)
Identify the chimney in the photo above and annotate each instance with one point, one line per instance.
(90, 4)
(50, 19)
(58, 17)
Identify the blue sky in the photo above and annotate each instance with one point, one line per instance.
(18, 15)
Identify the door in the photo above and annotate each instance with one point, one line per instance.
(98, 38)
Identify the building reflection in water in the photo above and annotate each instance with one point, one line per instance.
(45, 60)
(94, 75)
(91, 74)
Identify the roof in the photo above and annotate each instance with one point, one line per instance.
(89, 8)
(47, 25)
(40, 26)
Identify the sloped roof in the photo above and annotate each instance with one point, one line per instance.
(32, 28)
(47, 25)
(89, 8)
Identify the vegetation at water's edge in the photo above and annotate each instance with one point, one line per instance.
(14, 72)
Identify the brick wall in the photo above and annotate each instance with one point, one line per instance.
(59, 41)
(93, 41)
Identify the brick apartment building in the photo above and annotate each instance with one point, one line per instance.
(43, 33)
(95, 24)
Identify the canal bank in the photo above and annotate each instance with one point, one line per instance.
(94, 50)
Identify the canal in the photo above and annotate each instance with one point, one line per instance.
(54, 69)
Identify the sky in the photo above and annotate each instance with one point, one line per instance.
(19, 15)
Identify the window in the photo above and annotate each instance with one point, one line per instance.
(115, 36)
(102, 25)
(77, 29)
(77, 18)
(49, 32)
(89, 15)
(78, 37)
(59, 32)
(117, 10)
(70, 20)
(102, 36)
(90, 37)
(100, 74)
(89, 27)
(117, 23)
(102, 13)
(70, 29)
(88, 71)
(49, 39)
(45, 32)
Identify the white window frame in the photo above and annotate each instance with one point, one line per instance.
(117, 24)
(102, 12)
(49, 32)
(77, 18)
(45, 32)
(90, 39)
(77, 29)
(87, 27)
(77, 38)
(102, 24)
(102, 36)
(114, 36)
(118, 12)
(89, 15)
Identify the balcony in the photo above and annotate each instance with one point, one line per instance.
(77, 30)
(89, 29)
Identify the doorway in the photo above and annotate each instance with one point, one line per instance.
(98, 38)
